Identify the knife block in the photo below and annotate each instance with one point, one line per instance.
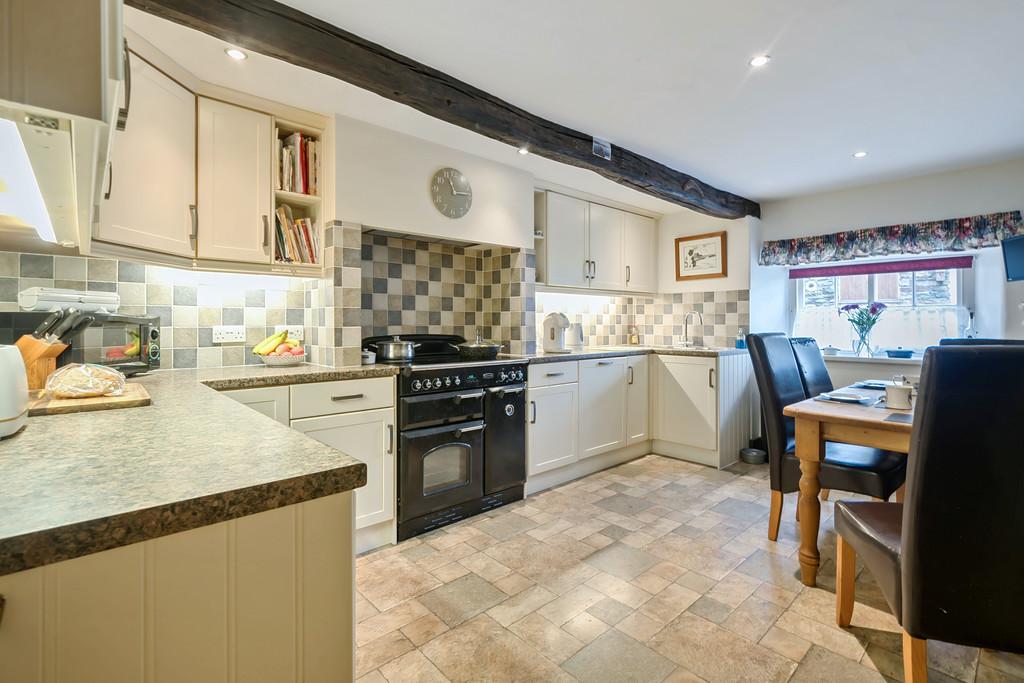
(40, 359)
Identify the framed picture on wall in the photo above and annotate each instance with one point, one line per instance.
(701, 256)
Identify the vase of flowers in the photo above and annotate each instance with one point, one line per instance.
(862, 319)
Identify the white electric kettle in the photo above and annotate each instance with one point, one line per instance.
(13, 391)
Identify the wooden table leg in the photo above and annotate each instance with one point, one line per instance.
(810, 449)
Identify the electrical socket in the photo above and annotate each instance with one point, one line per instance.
(228, 333)
(295, 332)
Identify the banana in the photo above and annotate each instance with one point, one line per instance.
(269, 344)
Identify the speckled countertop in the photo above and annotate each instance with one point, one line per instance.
(85, 482)
(612, 351)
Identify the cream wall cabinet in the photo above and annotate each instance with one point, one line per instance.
(267, 597)
(552, 429)
(367, 435)
(604, 241)
(270, 401)
(602, 405)
(639, 237)
(703, 407)
(149, 197)
(235, 183)
(589, 245)
(638, 388)
(566, 241)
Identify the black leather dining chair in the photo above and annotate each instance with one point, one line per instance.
(858, 469)
(812, 366)
(949, 560)
(964, 341)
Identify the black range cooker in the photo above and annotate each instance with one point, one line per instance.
(462, 434)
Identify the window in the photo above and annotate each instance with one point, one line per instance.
(923, 307)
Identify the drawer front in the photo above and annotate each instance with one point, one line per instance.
(546, 374)
(347, 396)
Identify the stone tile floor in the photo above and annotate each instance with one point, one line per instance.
(656, 570)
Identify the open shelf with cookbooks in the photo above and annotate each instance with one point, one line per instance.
(298, 228)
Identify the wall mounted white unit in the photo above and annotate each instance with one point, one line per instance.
(63, 101)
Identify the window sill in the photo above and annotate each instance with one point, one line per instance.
(884, 360)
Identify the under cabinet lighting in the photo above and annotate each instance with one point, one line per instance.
(860, 155)
(524, 150)
(21, 201)
(235, 53)
(760, 60)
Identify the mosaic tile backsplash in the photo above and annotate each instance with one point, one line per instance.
(414, 286)
(189, 303)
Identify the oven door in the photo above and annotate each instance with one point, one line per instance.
(440, 467)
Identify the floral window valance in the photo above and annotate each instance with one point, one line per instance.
(954, 234)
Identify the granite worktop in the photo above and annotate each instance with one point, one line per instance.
(85, 482)
(589, 352)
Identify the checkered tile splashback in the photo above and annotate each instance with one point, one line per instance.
(658, 319)
(415, 286)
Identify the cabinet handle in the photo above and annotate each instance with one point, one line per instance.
(193, 237)
(391, 439)
(604, 362)
(627, 275)
(629, 373)
(711, 378)
(460, 432)
(593, 266)
(533, 412)
(110, 179)
(266, 232)
(553, 374)
(348, 397)
(586, 269)
(122, 112)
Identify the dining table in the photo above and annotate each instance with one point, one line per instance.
(819, 421)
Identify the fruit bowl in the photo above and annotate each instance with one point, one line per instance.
(283, 361)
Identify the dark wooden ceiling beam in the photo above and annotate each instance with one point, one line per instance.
(278, 31)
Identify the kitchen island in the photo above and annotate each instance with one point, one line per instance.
(194, 538)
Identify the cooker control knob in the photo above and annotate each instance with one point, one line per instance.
(437, 383)
(457, 380)
(417, 385)
(519, 375)
(447, 381)
(502, 376)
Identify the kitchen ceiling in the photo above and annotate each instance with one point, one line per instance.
(921, 85)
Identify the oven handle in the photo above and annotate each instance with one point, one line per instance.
(504, 391)
(465, 397)
(460, 432)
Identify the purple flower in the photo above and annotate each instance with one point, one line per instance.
(849, 307)
(877, 307)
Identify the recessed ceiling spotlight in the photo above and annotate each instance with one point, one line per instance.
(760, 60)
(524, 150)
(235, 53)
(860, 155)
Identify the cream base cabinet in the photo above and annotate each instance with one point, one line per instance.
(602, 405)
(235, 198)
(551, 428)
(268, 597)
(566, 241)
(639, 236)
(638, 399)
(270, 401)
(703, 408)
(369, 436)
(149, 198)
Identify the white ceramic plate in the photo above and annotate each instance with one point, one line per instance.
(847, 397)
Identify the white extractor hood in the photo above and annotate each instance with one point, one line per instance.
(63, 107)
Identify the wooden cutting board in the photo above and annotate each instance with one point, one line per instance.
(134, 396)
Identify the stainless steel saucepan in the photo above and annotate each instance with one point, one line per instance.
(396, 349)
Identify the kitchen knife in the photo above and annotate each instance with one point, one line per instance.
(81, 322)
(48, 323)
(63, 326)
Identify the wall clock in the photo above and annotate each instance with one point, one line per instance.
(451, 193)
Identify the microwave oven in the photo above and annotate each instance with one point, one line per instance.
(128, 343)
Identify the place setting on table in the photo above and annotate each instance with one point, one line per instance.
(898, 394)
